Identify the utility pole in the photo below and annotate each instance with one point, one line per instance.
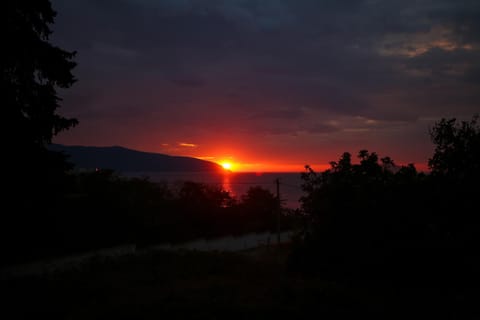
(277, 181)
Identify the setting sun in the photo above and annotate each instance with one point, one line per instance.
(226, 165)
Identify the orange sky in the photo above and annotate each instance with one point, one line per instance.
(257, 159)
(238, 166)
(265, 152)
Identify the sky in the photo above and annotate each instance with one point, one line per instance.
(269, 85)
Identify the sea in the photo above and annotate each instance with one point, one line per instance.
(237, 183)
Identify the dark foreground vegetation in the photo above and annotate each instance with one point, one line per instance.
(409, 236)
(101, 209)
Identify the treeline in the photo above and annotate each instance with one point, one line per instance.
(408, 236)
(101, 209)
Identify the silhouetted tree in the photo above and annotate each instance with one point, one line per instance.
(200, 195)
(259, 207)
(457, 148)
(379, 225)
(354, 210)
(32, 69)
(259, 199)
(455, 169)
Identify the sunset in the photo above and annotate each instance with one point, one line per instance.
(275, 83)
(240, 159)
(227, 165)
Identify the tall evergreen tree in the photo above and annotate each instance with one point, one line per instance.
(32, 69)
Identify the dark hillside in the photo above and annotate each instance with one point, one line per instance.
(127, 160)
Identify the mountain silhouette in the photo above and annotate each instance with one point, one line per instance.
(127, 160)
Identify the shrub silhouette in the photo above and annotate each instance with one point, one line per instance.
(378, 225)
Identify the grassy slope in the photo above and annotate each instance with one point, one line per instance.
(192, 285)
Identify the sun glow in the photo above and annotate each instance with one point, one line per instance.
(226, 165)
(230, 164)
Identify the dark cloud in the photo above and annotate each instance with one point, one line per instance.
(439, 66)
(322, 128)
(280, 113)
(473, 75)
(188, 82)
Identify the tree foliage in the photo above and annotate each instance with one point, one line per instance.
(32, 70)
(457, 148)
(390, 228)
(352, 188)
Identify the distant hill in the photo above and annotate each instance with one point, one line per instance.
(126, 160)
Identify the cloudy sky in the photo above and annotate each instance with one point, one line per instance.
(269, 84)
